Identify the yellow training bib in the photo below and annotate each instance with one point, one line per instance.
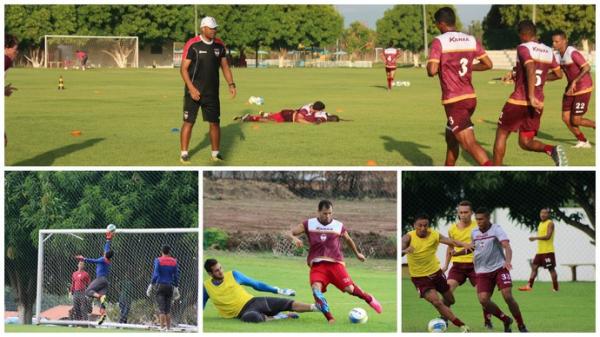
(228, 297)
(463, 235)
(422, 261)
(545, 246)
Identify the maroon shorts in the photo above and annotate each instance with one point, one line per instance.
(282, 116)
(435, 281)
(499, 277)
(519, 118)
(546, 260)
(459, 114)
(330, 272)
(389, 69)
(578, 105)
(461, 271)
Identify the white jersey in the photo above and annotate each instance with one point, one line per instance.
(489, 254)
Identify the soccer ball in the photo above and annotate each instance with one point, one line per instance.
(256, 100)
(437, 325)
(111, 228)
(358, 315)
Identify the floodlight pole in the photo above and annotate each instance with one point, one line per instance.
(196, 20)
(533, 13)
(45, 51)
(425, 33)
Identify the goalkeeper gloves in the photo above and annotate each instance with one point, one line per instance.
(149, 290)
(176, 294)
(286, 292)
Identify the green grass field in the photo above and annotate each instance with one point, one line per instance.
(376, 276)
(571, 309)
(126, 118)
(42, 328)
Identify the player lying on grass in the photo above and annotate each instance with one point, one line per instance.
(99, 286)
(233, 301)
(165, 278)
(421, 245)
(492, 260)
(326, 259)
(308, 114)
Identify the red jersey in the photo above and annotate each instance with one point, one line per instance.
(8, 62)
(455, 52)
(325, 241)
(79, 281)
(543, 59)
(571, 63)
(390, 55)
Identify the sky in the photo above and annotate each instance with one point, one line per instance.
(369, 14)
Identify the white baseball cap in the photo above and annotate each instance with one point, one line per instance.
(208, 21)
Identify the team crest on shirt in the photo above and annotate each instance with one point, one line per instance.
(323, 237)
(217, 52)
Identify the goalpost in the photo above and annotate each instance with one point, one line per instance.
(102, 51)
(130, 274)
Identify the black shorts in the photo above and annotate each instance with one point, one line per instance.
(98, 285)
(257, 308)
(211, 109)
(164, 296)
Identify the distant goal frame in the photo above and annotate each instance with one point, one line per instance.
(137, 44)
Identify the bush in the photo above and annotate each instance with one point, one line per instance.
(215, 238)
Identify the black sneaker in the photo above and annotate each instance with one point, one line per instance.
(523, 328)
(217, 158)
(488, 325)
(185, 159)
(559, 156)
(102, 319)
(507, 325)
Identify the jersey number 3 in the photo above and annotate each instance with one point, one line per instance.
(463, 67)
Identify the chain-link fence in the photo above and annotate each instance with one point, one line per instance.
(515, 200)
(36, 201)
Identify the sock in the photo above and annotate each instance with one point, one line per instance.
(555, 285)
(488, 163)
(530, 283)
(519, 320)
(487, 317)
(548, 149)
(457, 322)
(581, 137)
(359, 293)
(184, 153)
(327, 314)
(215, 153)
(389, 82)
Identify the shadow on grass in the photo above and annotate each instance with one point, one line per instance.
(230, 134)
(409, 150)
(542, 135)
(48, 158)
(467, 157)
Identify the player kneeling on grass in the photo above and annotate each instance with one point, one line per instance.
(492, 260)
(99, 286)
(165, 278)
(421, 245)
(233, 301)
(326, 259)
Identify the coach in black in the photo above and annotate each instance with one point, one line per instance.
(202, 56)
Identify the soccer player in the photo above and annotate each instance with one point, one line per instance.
(165, 278)
(80, 279)
(462, 266)
(390, 56)
(99, 286)
(82, 56)
(326, 259)
(579, 87)
(11, 50)
(452, 57)
(420, 245)
(523, 110)
(202, 57)
(306, 114)
(545, 253)
(492, 260)
(232, 301)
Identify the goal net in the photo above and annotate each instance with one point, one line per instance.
(130, 274)
(60, 51)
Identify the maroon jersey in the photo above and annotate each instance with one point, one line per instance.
(325, 241)
(543, 59)
(390, 55)
(8, 63)
(455, 52)
(79, 281)
(571, 63)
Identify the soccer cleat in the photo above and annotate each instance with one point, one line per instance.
(217, 158)
(465, 328)
(375, 305)
(289, 315)
(323, 306)
(526, 288)
(185, 159)
(286, 292)
(523, 328)
(102, 319)
(582, 145)
(507, 324)
(559, 156)
(488, 325)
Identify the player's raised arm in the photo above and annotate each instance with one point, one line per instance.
(468, 247)
(260, 286)
(406, 248)
(352, 245)
(228, 76)
(295, 232)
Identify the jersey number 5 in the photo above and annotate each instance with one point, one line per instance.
(463, 67)
(538, 77)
